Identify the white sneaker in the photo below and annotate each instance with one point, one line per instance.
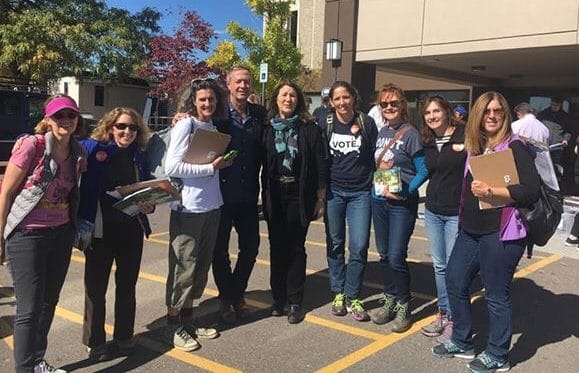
(44, 367)
(184, 341)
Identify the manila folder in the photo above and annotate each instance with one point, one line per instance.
(205, 146)
(497, 169)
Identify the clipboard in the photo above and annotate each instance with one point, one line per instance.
(497, 169)
(205, 146)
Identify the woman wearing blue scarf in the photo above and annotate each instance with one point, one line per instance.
(114, 159)
(294, 188)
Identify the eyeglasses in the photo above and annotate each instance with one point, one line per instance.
(497, 111)
(124, 126)
(394, 104)
(61, 115)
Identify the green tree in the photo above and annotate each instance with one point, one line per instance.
(274, 48)
(43, 40)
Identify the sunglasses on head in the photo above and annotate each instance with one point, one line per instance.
(196, 82)
(394, 104)
(61, 115)
(124, 126)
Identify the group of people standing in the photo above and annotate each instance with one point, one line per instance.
(310, 168)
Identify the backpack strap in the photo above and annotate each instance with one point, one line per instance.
(329, 124)
(390, 144)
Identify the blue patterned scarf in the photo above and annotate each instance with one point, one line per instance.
(285, 132)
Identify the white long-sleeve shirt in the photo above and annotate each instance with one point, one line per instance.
(201, 192)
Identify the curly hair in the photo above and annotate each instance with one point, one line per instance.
(103, 132)
(186, 102)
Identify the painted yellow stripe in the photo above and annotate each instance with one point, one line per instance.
(386, 341)
(188, 358)
(159, 234)
(262, 305)
(313, 272)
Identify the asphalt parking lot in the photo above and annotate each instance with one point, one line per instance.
(545, 297)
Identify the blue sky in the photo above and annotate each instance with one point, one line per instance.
(217, 12)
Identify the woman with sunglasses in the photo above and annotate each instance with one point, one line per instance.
(38, 204)
(443, 141)
(351, 136)
(490, 241)
(399, 159)
(114, 153)
(293, 193)
(195, 219)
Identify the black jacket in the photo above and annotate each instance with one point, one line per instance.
(446, 170)
(312, 173)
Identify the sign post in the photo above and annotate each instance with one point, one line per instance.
(263, 80)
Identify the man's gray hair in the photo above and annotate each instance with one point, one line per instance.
(524, 108)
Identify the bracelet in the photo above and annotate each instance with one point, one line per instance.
(490, 192)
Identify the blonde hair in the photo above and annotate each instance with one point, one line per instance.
(476, 139)
(103, 132)
(43, 126)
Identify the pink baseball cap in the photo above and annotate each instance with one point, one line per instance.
(60, 103)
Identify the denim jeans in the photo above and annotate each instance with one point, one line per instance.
(356, 209)
(496, 261)
(441, 231)
(38, 260)
(233, 282)
(393, 225)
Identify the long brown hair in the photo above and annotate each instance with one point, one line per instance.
(426, 132)
(104, 129)
(476, 139)
(186, 102)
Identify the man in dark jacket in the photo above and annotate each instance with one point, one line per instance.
(240, 188)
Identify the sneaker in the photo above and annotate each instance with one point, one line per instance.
(571, 241)
(403, 318)
(386, 312)
(44, 367)
(485, 363)
(338, 305)
(446, 333)
(435, 328)
(449, 350)
(226, 312)
(184, 341)
(356, 308)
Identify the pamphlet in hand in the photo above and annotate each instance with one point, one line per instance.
(387, 180)
(156, 191)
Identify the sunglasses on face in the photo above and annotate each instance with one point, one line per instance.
(124, 126)
(61, 115)
(498, 111)
(394, 104)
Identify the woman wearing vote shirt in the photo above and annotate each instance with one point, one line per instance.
(195, 219)
(294, 191)
(490, 241)
(38, 204)
(351, 136)
(399, 156)
(115, 158)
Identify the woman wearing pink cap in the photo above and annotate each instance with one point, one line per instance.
(38, 203)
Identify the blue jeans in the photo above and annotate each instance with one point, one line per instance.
(441, 231)
(38, 260)
(393, 224)
(355, 208)
(496, 261)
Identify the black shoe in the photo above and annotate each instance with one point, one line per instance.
(241, 309)
(571, 241)
(104, 352)
(295, 314)
(226, 312)
(277, 310)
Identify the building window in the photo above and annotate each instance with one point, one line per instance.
(99, 95)
(293, 27)
(65, 91)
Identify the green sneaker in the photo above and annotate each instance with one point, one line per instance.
(386, 312)
(338, 305)
(356, 308)
(403, 319)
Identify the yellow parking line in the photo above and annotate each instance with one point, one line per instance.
(158, 234)
(262, 305)
(388, 340)
(186, 357)
(313, 272)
